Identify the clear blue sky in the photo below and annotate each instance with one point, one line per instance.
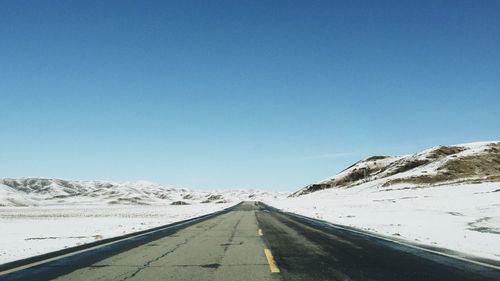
(227, 94)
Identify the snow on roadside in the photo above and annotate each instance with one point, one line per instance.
(31, 231)
(464, 218)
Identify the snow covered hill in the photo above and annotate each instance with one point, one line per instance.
(51, 192)
(441, 165)
(445, 197)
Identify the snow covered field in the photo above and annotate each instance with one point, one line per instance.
(30, 231)
(464, 218)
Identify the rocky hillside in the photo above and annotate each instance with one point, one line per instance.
(42, 191)
(440, 165)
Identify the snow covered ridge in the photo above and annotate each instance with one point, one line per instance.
(441, 165)
(51, 192)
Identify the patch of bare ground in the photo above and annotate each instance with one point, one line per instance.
(443, 151)
(128, 201)
(357, 173)
(478, 225)
(471, 169)
(404, 165)
(376, 157)
(310, 188)
(212, 198)
(179, 203)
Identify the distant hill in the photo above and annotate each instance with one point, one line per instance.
(45, 191)
(441, 165)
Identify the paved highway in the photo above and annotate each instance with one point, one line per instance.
(254, 242)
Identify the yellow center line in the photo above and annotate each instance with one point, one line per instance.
(270, 260)
(260, 232)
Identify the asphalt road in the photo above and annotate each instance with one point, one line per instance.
(255, 242)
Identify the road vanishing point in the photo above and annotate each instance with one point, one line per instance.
(250, 241)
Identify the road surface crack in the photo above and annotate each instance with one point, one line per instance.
(233, 233)
(148, 263)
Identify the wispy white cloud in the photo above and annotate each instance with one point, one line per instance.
(331, 155)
